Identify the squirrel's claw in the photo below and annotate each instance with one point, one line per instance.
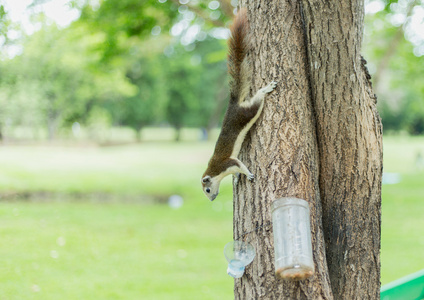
(269, 88)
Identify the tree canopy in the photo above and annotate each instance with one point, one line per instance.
(142, 63)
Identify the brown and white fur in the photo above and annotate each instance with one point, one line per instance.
(242, 112)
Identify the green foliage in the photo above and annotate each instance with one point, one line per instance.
(58, 83)
(397, 67)
(138, 63)
(408, 78)
(118, 58)
(182, 81)
(119, 20)
(3, 22)
(180, 87)
(145, 70)
(194, 84)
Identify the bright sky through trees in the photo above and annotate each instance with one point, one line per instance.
(57, 10)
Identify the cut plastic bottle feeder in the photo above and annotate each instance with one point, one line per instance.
(238, 254)
(292, 239)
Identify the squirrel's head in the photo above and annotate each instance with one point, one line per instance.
(210, 186)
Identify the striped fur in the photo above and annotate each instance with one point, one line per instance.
(242, 111)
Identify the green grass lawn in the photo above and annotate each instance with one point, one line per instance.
(112, 251)
(112, 247)
(402, 240)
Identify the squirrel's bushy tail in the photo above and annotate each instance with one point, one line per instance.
(238, 64)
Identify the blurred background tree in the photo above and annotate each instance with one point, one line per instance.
(394, 46)
(146, 63)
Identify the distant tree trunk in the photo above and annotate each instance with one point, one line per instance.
(53, 115)
(177, 133)
(319, 139)
(52, 124)
(138, 135)
(221, 102)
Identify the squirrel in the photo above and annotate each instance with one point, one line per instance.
(241, 114)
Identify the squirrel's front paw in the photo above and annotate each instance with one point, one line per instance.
(250, 177)
(270, 87)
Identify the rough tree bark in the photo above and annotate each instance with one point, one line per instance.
(319, 139)
(350, 144)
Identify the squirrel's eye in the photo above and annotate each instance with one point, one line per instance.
(208, 190)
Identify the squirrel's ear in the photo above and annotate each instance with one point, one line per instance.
(206, 179)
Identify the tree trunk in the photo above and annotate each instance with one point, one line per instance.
(177, 136)
(349, 135)
(281, 151)
(138, 133)
(52, 124)
(333, 162)
(53, 116)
